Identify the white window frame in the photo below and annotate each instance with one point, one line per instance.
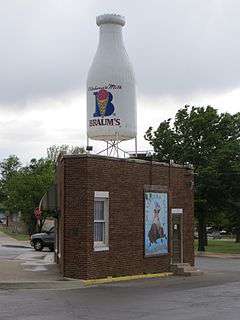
(104, 197)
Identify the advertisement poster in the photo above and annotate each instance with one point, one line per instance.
(156, 223)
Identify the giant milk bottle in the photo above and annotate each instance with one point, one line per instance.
(111, 94)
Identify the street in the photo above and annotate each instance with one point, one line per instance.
(216, 295)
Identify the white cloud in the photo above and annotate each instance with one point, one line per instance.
(177, 47)
(64, 122)
(183, 52)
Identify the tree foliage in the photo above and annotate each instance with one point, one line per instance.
(211, 142)
(23, 186)
(8, 167)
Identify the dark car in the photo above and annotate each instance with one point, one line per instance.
(43, 239)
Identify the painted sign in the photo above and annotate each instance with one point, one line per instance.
(177, 210)
(156, 223)
(37, 213)
(103, 103)
(104, 107)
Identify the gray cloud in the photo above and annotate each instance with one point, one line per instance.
(31, 139)
(21, 132)
(177, 48)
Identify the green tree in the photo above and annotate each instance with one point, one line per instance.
(25, 187)
(8, 167)
(211, 142)
(22, 187)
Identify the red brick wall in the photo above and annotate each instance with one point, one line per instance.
(125, 180)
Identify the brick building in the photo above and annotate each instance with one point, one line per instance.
(122, 216)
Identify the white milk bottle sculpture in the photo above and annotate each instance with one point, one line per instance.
(111, 94)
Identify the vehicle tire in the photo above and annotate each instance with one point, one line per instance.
(38, 245)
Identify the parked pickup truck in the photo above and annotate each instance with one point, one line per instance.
(44, 239)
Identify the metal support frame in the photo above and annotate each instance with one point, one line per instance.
(113, 150)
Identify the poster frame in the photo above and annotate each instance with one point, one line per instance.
(156, 190)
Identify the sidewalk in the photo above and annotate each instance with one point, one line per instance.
(29, 269)
(6, 240)
(218, 255)
(17, 274)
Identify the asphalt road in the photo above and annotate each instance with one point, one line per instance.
(216, 295)
(220, 265)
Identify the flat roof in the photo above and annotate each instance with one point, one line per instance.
(132, 160)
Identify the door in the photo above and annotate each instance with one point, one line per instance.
(176, 238)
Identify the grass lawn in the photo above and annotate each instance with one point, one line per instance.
(221, 246)
(17, 236)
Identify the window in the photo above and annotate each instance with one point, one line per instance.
(101, 220)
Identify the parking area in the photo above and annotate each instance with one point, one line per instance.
(214, 295)
(20, 262)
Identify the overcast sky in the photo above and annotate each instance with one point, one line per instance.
(182, 51)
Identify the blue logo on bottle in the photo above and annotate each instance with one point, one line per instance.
(103, 103)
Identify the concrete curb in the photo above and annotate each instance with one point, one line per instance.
(70, 284)
(16, 246)
(126, 278)
(217, 255)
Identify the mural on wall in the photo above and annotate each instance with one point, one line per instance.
(156, 223)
